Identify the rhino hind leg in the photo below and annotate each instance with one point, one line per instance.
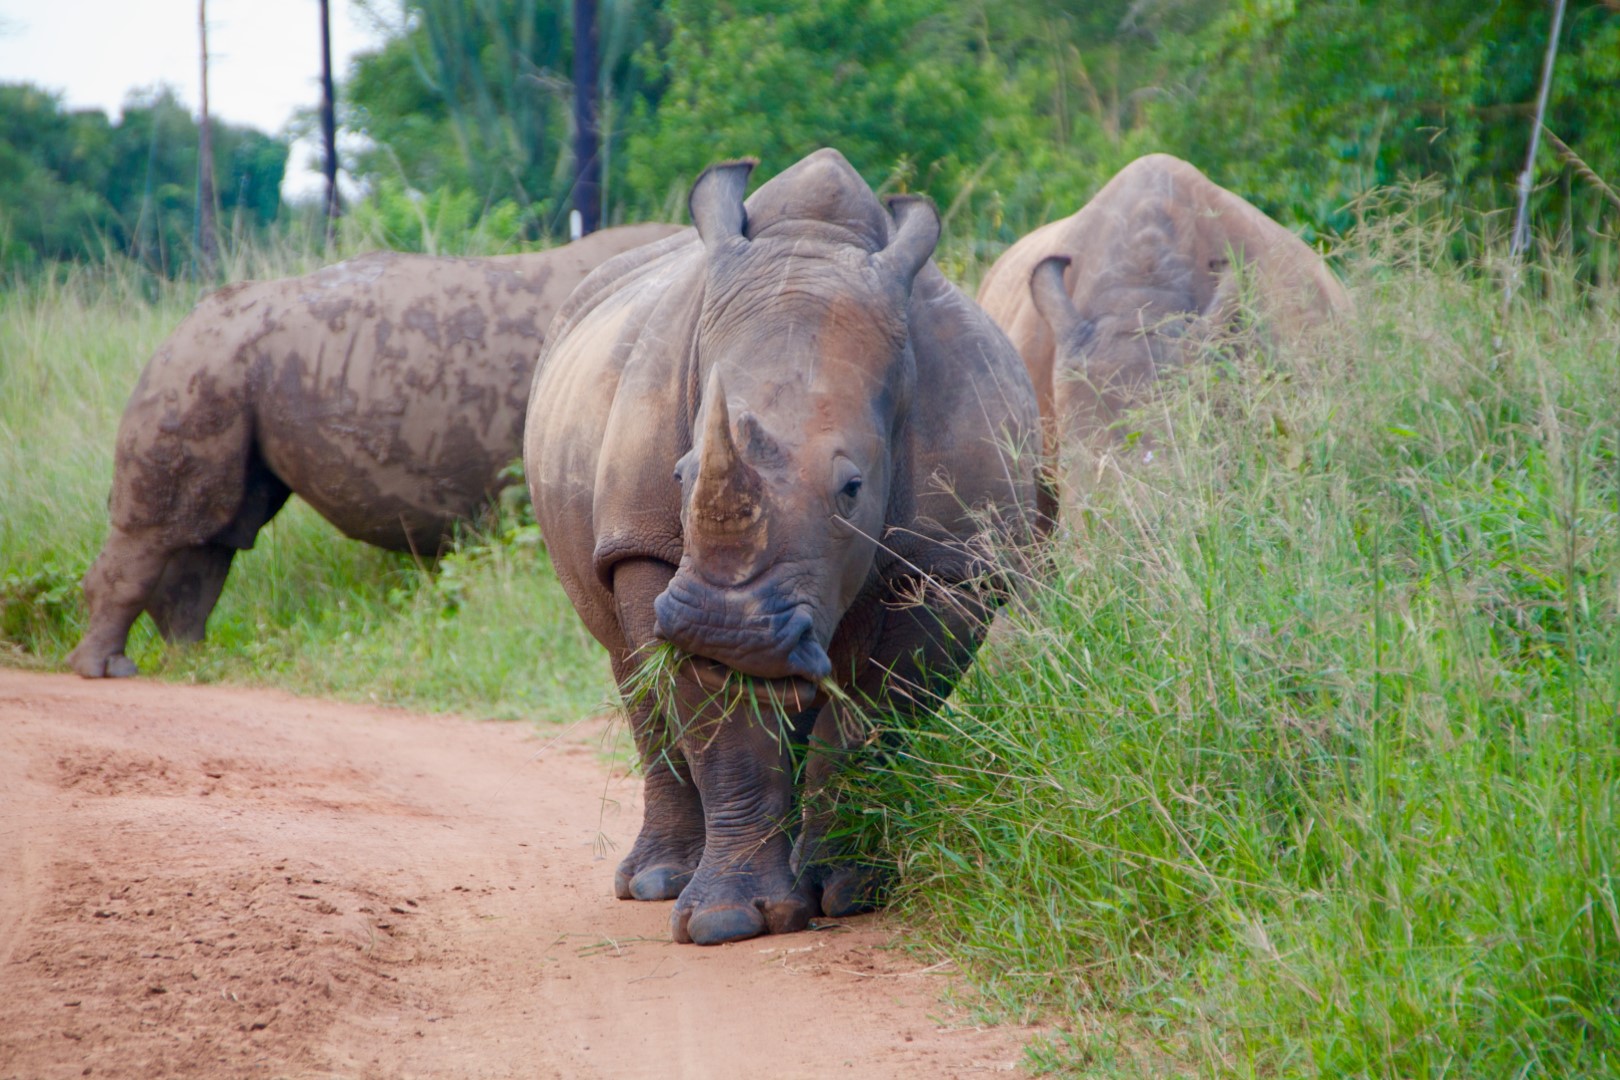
(187, 591)
(192, 580)
(116, 588)
(147, 569)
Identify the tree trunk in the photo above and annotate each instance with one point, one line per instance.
(207, 236)
(328, 124)
(587, 159)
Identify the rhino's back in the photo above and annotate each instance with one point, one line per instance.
(388, 390)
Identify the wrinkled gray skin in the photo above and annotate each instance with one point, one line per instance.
(754, 442)
(1101, 302)
(387, 391)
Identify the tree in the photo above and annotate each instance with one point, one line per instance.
(74, 185)
(207, 231)
(475, 95)
(906, 89)
(328, 123)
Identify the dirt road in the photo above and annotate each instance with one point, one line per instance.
(218, 882)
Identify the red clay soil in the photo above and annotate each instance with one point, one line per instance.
(220, 882)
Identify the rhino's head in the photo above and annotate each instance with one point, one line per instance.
(1104, 361)
(806, 373)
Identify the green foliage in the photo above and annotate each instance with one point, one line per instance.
(1304, 762)
(75, 186)
(1010, 115)
(476, 96)
(448, 221)
(1302, 106)
(909, 97)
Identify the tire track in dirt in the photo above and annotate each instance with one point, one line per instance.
(210, 881)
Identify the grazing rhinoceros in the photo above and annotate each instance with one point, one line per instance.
(387, 391)
(1100, 302)
(778, 445)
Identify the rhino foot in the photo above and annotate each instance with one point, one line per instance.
(660, 864)
(852, 888)
(109, 666)
(662, 882)
(716, 924)
(736, 904)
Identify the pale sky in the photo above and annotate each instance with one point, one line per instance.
(264, 57)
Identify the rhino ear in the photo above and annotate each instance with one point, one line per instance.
(716, 202)
(912, 242)
(1052, 300)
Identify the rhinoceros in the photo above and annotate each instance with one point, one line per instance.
(1100, 302)
(774, 449)
(387, 391)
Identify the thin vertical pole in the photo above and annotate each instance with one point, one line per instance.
(207, 238)
(587, 159)
(328, 124)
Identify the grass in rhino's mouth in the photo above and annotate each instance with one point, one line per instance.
(722, 692)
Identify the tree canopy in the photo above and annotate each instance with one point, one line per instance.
(76, 184)
(1009, 115)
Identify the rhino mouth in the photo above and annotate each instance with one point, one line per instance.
(789, 694)
(762, 634)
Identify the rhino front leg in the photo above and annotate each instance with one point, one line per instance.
(744, 886)
(670, 844)
(116, 589)
(920, 654)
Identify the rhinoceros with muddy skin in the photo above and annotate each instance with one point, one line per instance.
(387, 391)
(1102, 301)
(778, 446)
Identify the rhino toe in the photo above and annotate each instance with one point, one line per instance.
(717, 925)
(653, 883)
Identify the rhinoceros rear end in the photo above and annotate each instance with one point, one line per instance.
(1151, 263)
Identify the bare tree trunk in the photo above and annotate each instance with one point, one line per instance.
(207, 237)
(587, 159)
(329, 124)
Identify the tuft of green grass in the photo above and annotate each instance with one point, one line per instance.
(1304, 761)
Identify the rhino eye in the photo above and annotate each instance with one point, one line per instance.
(851, 489)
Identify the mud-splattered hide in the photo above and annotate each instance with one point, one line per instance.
(755, 443)
(1101, 302)
(388, 392)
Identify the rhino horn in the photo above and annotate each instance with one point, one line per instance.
(726, 497)
(716, 202)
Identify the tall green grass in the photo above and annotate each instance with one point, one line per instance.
(1305, 761)
(487, 630)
